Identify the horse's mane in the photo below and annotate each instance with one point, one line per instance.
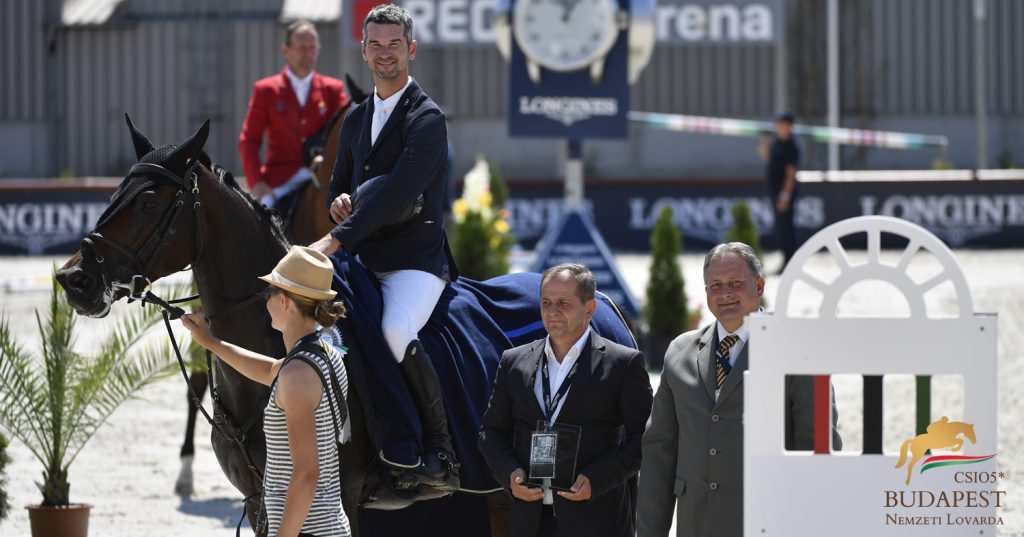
(271, 216)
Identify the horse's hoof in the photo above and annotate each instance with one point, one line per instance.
(183, 488)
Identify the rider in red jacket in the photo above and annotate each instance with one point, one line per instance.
(289, 108)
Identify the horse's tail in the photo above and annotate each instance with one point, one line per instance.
(903, 453)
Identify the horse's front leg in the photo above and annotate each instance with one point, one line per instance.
(199, 380)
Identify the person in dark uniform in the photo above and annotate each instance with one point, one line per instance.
(386, 197)
(783, 161)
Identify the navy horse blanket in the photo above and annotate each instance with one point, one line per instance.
(471, 326)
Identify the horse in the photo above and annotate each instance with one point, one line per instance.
(307, 220)
(941, 433)
(173, 211)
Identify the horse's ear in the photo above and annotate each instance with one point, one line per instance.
(357, 93)
(189, 149)
(142, 144)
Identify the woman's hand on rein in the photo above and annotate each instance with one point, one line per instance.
(199, 326)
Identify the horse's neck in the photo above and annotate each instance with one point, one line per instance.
(240, 246)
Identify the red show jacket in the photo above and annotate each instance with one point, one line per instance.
(274, 110)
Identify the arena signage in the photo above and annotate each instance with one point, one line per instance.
(688, 22)
(962, 213)
(37, 228)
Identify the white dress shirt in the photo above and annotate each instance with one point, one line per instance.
(382, 109)
(300, 85)
(556, 375)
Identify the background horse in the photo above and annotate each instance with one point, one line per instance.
(171, 212)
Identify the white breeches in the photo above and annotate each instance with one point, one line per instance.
(409, 299)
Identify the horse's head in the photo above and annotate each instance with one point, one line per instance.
(148, 230)
(968, 431)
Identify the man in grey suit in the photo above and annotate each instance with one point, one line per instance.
(693, 447)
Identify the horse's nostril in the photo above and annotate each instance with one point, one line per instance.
(78, 279)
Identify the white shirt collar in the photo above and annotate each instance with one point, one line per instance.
(300, 85)
(572, 355)
(743, 332)
(389, 104)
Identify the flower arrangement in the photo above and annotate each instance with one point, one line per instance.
(483, 236)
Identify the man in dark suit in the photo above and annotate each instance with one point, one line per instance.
(693, 449)
(592, 384)
(399, 140)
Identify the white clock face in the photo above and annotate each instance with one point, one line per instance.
(565, 35)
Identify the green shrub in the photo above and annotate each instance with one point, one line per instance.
(483, 237)
(666, 295)
(743, 228)
(5, 504)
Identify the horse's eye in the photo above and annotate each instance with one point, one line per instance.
(148, 202)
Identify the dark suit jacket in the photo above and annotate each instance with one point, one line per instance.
(412, 150)
(610, 399)
(693, 450)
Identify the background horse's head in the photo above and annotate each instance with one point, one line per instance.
(144, 233)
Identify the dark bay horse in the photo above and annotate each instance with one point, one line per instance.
(306, 221)
(172, 211)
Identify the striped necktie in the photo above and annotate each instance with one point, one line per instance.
(722, 365)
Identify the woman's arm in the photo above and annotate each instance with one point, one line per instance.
(256, 366)
(298, 394)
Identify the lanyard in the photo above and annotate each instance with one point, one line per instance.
(551, 404)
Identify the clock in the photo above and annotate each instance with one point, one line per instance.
(566, 35)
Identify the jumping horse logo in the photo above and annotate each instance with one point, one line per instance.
(941, 433)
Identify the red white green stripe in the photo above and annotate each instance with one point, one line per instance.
(939, 461)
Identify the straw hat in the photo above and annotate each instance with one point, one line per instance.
(304, 272)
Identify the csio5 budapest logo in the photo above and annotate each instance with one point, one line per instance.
(964, 498)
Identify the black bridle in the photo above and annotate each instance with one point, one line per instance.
(139, 289)
(162, 233)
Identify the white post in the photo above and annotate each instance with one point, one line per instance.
(574, 176)
(980, 82)
(832, 31)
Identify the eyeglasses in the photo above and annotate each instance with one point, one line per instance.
(268, 292)
(732, 285)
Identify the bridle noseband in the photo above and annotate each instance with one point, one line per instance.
(162, 233)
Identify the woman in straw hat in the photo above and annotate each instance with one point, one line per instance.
(306, 412)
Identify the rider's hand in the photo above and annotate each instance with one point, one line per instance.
(527, 494)
(341, 208)
(327, 245)
(199, 326)
(261, 189)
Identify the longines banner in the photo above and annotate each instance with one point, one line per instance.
(456, 23)
(53, 218)
(984, 214)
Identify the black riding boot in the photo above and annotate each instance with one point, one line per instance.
(438, 467)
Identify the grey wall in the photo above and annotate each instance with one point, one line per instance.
(907, 65)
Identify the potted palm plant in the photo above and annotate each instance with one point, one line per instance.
(4, 459)
(54, 402)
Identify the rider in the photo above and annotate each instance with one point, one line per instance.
(399, 139)
(302, 485)
(289, 108)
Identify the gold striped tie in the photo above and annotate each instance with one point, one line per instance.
(722, 365)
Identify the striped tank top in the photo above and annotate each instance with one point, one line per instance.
(326, 517)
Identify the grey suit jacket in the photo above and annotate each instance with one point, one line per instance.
(693, 447)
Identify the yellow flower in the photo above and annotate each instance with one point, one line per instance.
(501, 226)
(460, 208)
(485, 199)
